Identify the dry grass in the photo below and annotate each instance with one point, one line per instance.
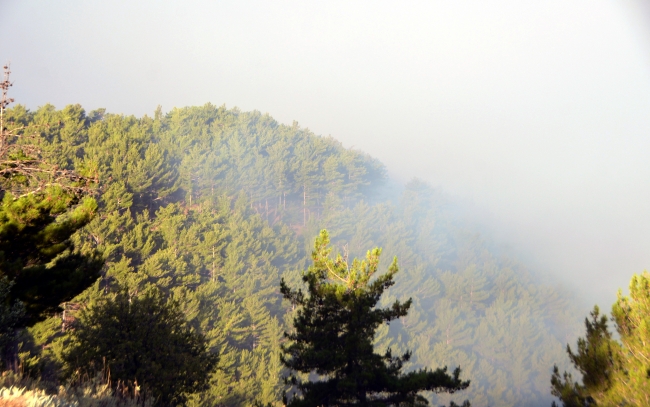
(21, 397)
(16, 391)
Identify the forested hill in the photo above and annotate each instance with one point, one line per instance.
(214, 205)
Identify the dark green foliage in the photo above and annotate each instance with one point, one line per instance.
(11, 314)
(333, 337)
(41, 208)
(595, 359)
(144, 341)
(36, 252)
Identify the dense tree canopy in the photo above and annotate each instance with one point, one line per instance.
(213, 206)
(42, 204)
(144, 341)
(37, 254)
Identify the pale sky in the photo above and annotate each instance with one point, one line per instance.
(536, 114)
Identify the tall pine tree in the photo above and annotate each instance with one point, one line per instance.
(333, 337)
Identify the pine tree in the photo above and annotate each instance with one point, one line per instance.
(632, 317)
(333, 333)
(144, 341)
(42, 206)
(613, 372)
(36, 252)
(595, 359)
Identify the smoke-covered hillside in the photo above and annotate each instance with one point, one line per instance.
(213, 206)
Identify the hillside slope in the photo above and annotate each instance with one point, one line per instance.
(214, 205)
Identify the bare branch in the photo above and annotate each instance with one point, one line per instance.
(23, 170)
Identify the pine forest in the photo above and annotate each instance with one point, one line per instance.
(204, 214)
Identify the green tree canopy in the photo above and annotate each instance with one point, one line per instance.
(214, 205)
(36, 252)
(613, 372)
(42, 206)
(146, 341)
(333, 337)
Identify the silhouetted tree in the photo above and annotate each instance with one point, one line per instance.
(333, 334)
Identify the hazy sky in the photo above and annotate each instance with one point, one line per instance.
(537, 113)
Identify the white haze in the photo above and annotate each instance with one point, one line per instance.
(536, 114)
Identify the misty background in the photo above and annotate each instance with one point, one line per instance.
(533, 116)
